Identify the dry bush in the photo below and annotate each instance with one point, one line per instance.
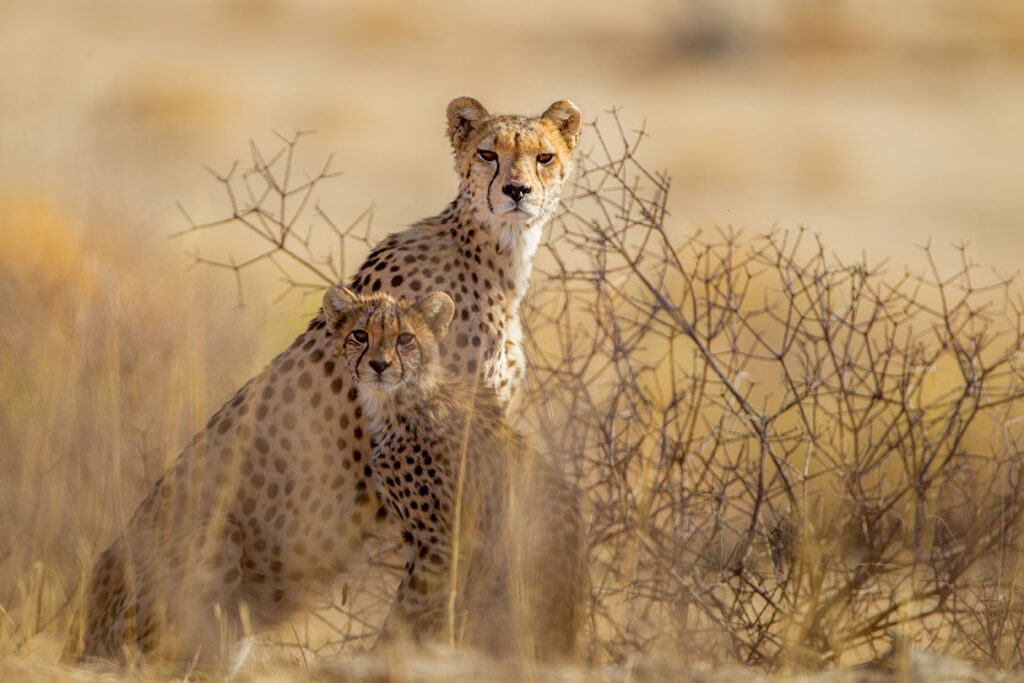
(298, 240)
(787, 459)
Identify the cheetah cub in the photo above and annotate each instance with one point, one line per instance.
(493, 532)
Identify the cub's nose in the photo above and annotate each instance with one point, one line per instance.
(515, 191)
(379, 365)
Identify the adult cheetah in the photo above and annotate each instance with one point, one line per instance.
(493, 532)
(274, 496)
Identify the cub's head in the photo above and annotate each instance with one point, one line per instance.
(512, 167)
(387, 343)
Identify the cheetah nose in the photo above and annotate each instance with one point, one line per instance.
(379, 365)
(515, 191)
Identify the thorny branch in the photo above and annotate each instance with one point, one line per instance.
(782, 451)
(269, 204)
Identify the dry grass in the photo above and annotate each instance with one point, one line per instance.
(100, 377)
(788, 460)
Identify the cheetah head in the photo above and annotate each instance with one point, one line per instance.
(388, 343)
(512, 167)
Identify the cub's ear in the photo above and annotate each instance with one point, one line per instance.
(437, 309)
(339, 304)
(567, 118)
(464, 115)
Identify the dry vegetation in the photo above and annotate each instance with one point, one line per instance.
(788, 460)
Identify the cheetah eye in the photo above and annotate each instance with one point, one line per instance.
(487, 155)
(405, 338)
(360, 336)
(545, 158)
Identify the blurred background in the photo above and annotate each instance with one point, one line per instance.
(879, 125)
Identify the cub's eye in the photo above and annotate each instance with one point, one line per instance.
(545, 158)
(487, 155)
(360, 336)
(405, 338)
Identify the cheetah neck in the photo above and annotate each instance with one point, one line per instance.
(410, 398)
(510, 246)
(520, 244)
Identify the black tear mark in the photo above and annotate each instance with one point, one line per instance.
(497, 167)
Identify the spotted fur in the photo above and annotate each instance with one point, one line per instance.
(480, 513)
(275, 496)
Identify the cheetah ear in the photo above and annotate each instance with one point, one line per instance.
(339, 304)
(567, 118)
(464, 115)
(437, 309)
